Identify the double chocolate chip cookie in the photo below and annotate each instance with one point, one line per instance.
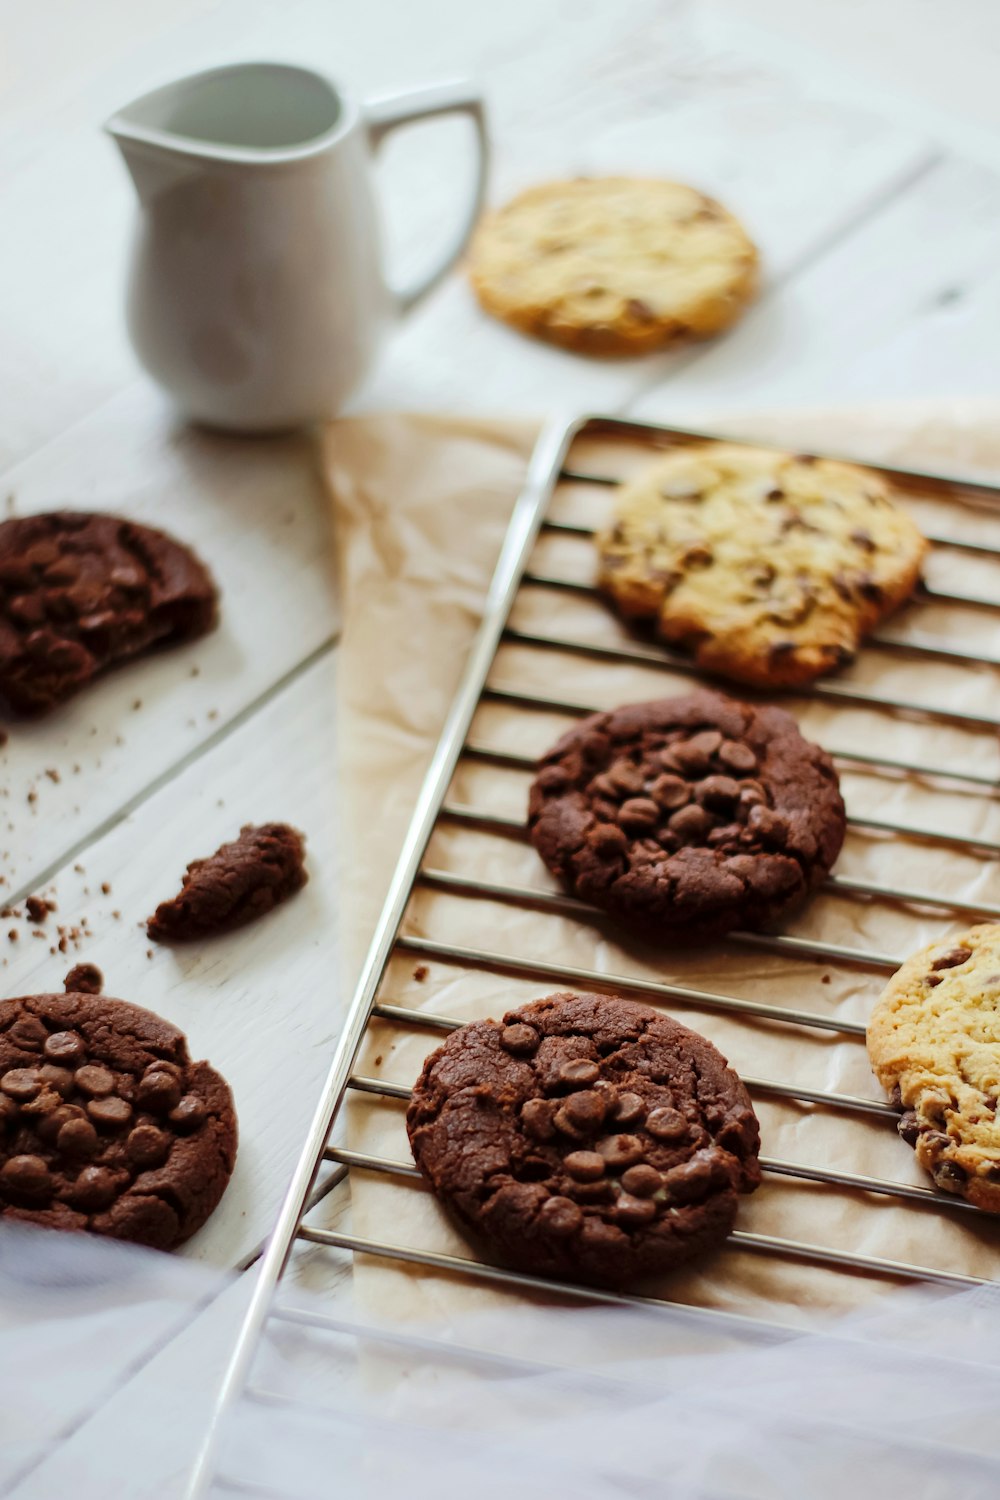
(80, 592)
(934, 1043)
(587, 1138)
(105, 1122)
(687, 817)
(770, 567)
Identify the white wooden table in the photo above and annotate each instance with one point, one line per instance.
(877, 209)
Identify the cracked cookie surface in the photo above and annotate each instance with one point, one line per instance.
(105, 1122)
(934, 1044)
(240, 882)
(613, 265)
(686, 817)
(81, 591)
(770, 568)
(586, 1137)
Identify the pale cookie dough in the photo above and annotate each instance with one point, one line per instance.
(768, 567)
(613, 265)
(934, 1044)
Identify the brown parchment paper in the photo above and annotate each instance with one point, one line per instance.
(421, 505)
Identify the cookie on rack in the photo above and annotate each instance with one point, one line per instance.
(105, 1122)
(934, 1044)
(586, 1137)
(769, 567)
(687, 817)
(80, 592)
(613, 265)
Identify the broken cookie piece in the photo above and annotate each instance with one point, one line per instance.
(237, 884)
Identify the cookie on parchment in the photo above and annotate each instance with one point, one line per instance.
(934, 1044)
(687, 817)
(770, 568)
(80, 592)
(613, 265)
(584, 1137)
(105, 1122)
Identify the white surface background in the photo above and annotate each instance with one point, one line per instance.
(859, 140)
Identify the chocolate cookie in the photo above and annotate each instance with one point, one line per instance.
(587, 1138)
(688, 816)
(934, 1043)
(235, 885)
(769, 567)
(80, 592)
(105, 1122)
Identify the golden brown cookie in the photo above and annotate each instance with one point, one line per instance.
(768, 567)
(613, 265)
(934, 1043)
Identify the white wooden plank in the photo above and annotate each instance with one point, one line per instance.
(261, 1004)
(256, 514)
(892, 312)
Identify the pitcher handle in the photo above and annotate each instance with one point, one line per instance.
(384, 115)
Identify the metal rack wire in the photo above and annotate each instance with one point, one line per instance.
(328, 1164)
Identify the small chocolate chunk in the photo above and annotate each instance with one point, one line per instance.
(64, 1047)
(94, 1080)
(147, 1146)
(110, 1111)
(718, 792)
(666, 1124)
(77, 1137)
(560, 1217)
(84, 979)
(585, 1110)
(626, 777)
(93, 1190)
(691, 823)
(769, 825)
(60, 1079)
(158, 1091)
(627, 1108)
(537, 1117)
(609, 841)
(584, 1166)
(639, 815)
(736, 756)
(634, 1211)
(670, 791)
(521, 1040)
(619, 1151)
(952, 959)
(188, 1114)
(579, 1072)
(695, 755)
(27, 1175)
(642, 1180)
(950, 1174)
(20, 1084)
(908, 1126)
(702, 1173)
(28, 1032)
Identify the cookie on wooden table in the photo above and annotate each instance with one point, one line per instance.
(769, 567)
(687, 817)
(934, 1043)
(613, 265)
(80, 592)
(585, 1137)
(105, 1122)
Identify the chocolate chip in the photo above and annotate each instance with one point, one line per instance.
(695, 1177)
(60, 1079)
(641, 311)
(94, 1080)
(620, 1151)
(110, 1111)
(863, 540)
(584, 1166)
(147, 1146)
(634, 1211)
(27, 1175)
(20, 1083)
(666, 1124)
(64, 1047)
(691, 822)
(768, 824)
(695, 755)
(537, 1117)
(670, 791)
(642, 1180)
(29, 1033)
(159, 1092)
(952, 959)
(188, 1114)
(608, 840)
(585, 1110)
(949, 1174)
(579, 1072)
(553, 779)
(639, 815)
(560, 1217)
(519, 1039)
(625, 777)
(626, 1108)
(932, 980)
(717, 792)
(93, 1190)
(909, 1127)
(737, 756)
(8, 1110)
(77, 1137)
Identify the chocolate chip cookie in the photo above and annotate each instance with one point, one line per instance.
(237, 884)
(613, 265)
(587, 1138)
(934, 1044)
(80, 592)
(688, 816)
(769, 568)
(105, 1122)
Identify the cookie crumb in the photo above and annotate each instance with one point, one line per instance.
(38, 908)
(84, 979)
(420, 973)
(241, 881)
(53, 774)
(105, 888)
(13, 935)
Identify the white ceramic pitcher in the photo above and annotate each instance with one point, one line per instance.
(257, 295)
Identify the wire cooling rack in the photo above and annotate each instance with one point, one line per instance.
(531, 518)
